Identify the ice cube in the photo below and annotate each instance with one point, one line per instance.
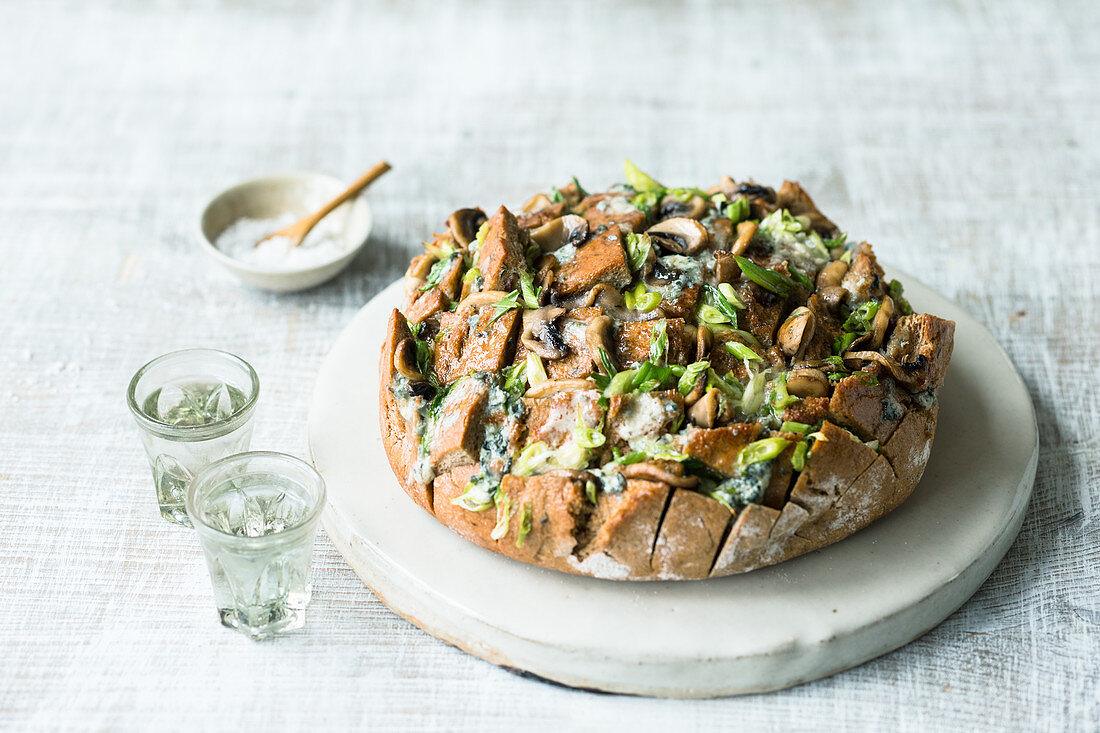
(172, 405)
(219, 402)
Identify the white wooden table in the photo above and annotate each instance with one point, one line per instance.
(962, 139)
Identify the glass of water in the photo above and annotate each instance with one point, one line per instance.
(193, 407)
(256, 517)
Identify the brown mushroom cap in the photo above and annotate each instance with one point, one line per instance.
(541, 335)
(680, 235)
(598, 336)
(537, 203)
(404, 360)
(704, 412)
(671, 206)
(797, 331)
(746, 230)
(831, 275)
(464, 224)
(726, 269)
(881, 323)
(556, 233)
(807, 383)
(832, 296)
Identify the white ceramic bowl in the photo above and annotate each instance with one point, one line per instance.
(270, 196)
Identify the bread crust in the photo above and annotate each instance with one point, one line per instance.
(867, 457)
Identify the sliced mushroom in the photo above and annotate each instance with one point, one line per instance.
(600, 294)
(537, 203)
(653, 472)
(703, 340)
(831, 275)
(671, 206)
(556, 233)
(726, 269)
(897, 370)
(881, 323)
(726, 186)
(598, 336)
(484, 297)
(548, 387)
(680, 235)
(404, 360)
(417, 274)
(797, 331)
(464, 224)
(832, 296)
(746, 230)
(807, 383)
(704, 412)
(542, 335)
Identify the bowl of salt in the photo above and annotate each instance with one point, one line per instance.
(239, 217)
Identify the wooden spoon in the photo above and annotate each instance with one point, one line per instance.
(297, 231)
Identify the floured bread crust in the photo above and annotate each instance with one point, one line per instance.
(537, 401)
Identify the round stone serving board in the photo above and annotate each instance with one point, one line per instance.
(804, 619)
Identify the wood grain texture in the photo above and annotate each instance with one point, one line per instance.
(960, 138)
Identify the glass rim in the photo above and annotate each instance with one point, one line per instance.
(194, 432)
(305, 524)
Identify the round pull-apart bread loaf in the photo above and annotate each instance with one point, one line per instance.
(656, 383)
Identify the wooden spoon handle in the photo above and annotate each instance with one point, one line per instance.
(360, 183)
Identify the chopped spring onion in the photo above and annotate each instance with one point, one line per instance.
(658, 348)
(646, 201)
(472, 274)
(860, 319)
(532, 458)
(647, 302)
(638, 247)
(737, 210)
(535, 371)
(802, 279)
(621, 382)
(590, 490)
(730, 295)
(798, 460)
(742, 352)
(524, 525)
(790, 426)
(505, 304)
(781, 397)
(776, 282)
(843, 342)
(691, 377)
(504, 511)
(585, 436)
(710, 314)
(760, 450)
(753, 396)
(529, 291)
(478, 495)
(605, 362)
(439, 269)
(732, 390)
(515, 377)
(638, 180)
(896, 293)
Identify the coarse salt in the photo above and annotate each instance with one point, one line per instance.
(239, 239)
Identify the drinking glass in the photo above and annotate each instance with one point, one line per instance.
(256, 517)
(192, 407)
